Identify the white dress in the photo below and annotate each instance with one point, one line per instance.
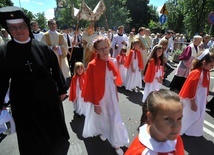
(153, 146)
(118, 40)
(155, 85)
(192, 122)
(109, 124)
(79, 105)
(123, 72)
(133, 79)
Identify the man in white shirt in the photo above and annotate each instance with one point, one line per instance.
(36, 31)
(169, 49)
(119, 40)
(211, 42)
(103, 32)
(77, 51)
(68, 39)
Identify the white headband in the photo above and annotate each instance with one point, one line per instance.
(15, 21)
(203, 54)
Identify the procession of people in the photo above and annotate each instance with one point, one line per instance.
(39, 70)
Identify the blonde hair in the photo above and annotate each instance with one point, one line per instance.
(135, 40)
(163, 42)
(77, 66)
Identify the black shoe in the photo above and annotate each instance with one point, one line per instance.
(210, 105)
(2, 136)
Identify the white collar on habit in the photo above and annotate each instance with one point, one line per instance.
(22, 42)
(154, 145)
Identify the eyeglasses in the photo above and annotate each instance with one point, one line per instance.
(16, 28)
(102, 49)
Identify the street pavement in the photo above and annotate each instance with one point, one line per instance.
(131, 110)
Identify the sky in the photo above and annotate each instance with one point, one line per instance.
(36, 6)
(157, 3)
(47, 6)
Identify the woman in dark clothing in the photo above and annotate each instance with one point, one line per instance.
(36, 89)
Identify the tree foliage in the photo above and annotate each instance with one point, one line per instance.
(6, 3)
(190, 17)
(40, 18)
(155, 27)
(29, 14)
(139, 10)
(175, 17)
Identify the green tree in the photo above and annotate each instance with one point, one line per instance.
(65, 13)
(40, 18)
(29, 14)
(6, 3)
(175, 16)
(117, 13)
(155, 27)
(139, 12)
(191, 16)
(153, 14)
(154, 24)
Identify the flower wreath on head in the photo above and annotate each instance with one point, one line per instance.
(99, 38)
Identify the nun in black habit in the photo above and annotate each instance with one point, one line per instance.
(37, 88)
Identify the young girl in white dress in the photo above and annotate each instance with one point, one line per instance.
(121, 58)
(160, 126)
(76, 88)
(134, 65)
(103, 114)
(194, 94)
(154, 71)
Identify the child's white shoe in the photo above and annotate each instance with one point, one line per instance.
(119, 151)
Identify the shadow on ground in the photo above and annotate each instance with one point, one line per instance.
(133, 97)
(198, 145)
(211, 113)
(94, 145)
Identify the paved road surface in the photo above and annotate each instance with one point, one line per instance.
(130, 105)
